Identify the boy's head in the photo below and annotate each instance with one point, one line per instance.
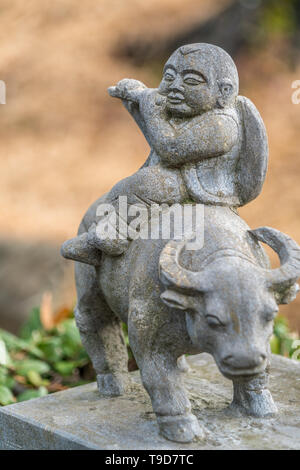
(198, 78)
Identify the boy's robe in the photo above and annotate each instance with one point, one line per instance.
(232, 179)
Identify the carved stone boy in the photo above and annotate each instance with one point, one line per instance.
(208, 144)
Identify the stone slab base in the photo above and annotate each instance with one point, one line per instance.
(80, 418)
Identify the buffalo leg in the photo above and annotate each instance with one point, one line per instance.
(162, 379)
(252, 397)
(101, 333)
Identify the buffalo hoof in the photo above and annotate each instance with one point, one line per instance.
(112, 385)
(180, 428)
(259, 404)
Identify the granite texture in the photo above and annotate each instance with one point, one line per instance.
(80, 418)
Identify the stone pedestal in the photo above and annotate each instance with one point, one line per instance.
(80, 418)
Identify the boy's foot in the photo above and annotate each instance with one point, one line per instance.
(87, 247)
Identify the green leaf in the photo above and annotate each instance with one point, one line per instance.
(6, 379)
(29, 394)
(34, 378)
(13, 343)
(9, 382)
(6, 397)
(275, 344)
(70, 338)
(125, 332)
(281, 329)
(52, 348)
(33, 323)
(23, 367)
(65, 368)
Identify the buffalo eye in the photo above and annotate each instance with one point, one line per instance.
(214, 321)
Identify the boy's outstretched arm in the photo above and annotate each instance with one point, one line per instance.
(130, 91)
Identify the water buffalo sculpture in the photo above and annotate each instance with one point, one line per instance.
(221, 299)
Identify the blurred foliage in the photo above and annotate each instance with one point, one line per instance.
(43, 359)
(277, 27)
(46, 359)
(283, 341)
(278, 17)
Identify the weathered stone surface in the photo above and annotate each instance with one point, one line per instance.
(208, 151)
(80, 418)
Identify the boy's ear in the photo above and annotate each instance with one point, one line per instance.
(226, 91)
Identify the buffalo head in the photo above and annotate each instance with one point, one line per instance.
(230, 305)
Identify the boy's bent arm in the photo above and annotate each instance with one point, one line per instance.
(212, 136)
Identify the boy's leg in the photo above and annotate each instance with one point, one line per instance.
(151, 185)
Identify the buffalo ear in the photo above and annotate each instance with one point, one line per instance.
(174, 299)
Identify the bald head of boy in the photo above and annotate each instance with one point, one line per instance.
(198, 78)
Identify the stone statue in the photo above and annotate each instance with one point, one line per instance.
(209, 149)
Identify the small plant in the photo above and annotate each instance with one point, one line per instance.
(47, 357)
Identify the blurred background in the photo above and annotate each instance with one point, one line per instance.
(64, 142)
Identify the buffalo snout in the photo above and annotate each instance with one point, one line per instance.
(244, 364)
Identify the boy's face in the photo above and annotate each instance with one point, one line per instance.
(189, 84)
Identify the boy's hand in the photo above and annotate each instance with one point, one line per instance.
(127, 89)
